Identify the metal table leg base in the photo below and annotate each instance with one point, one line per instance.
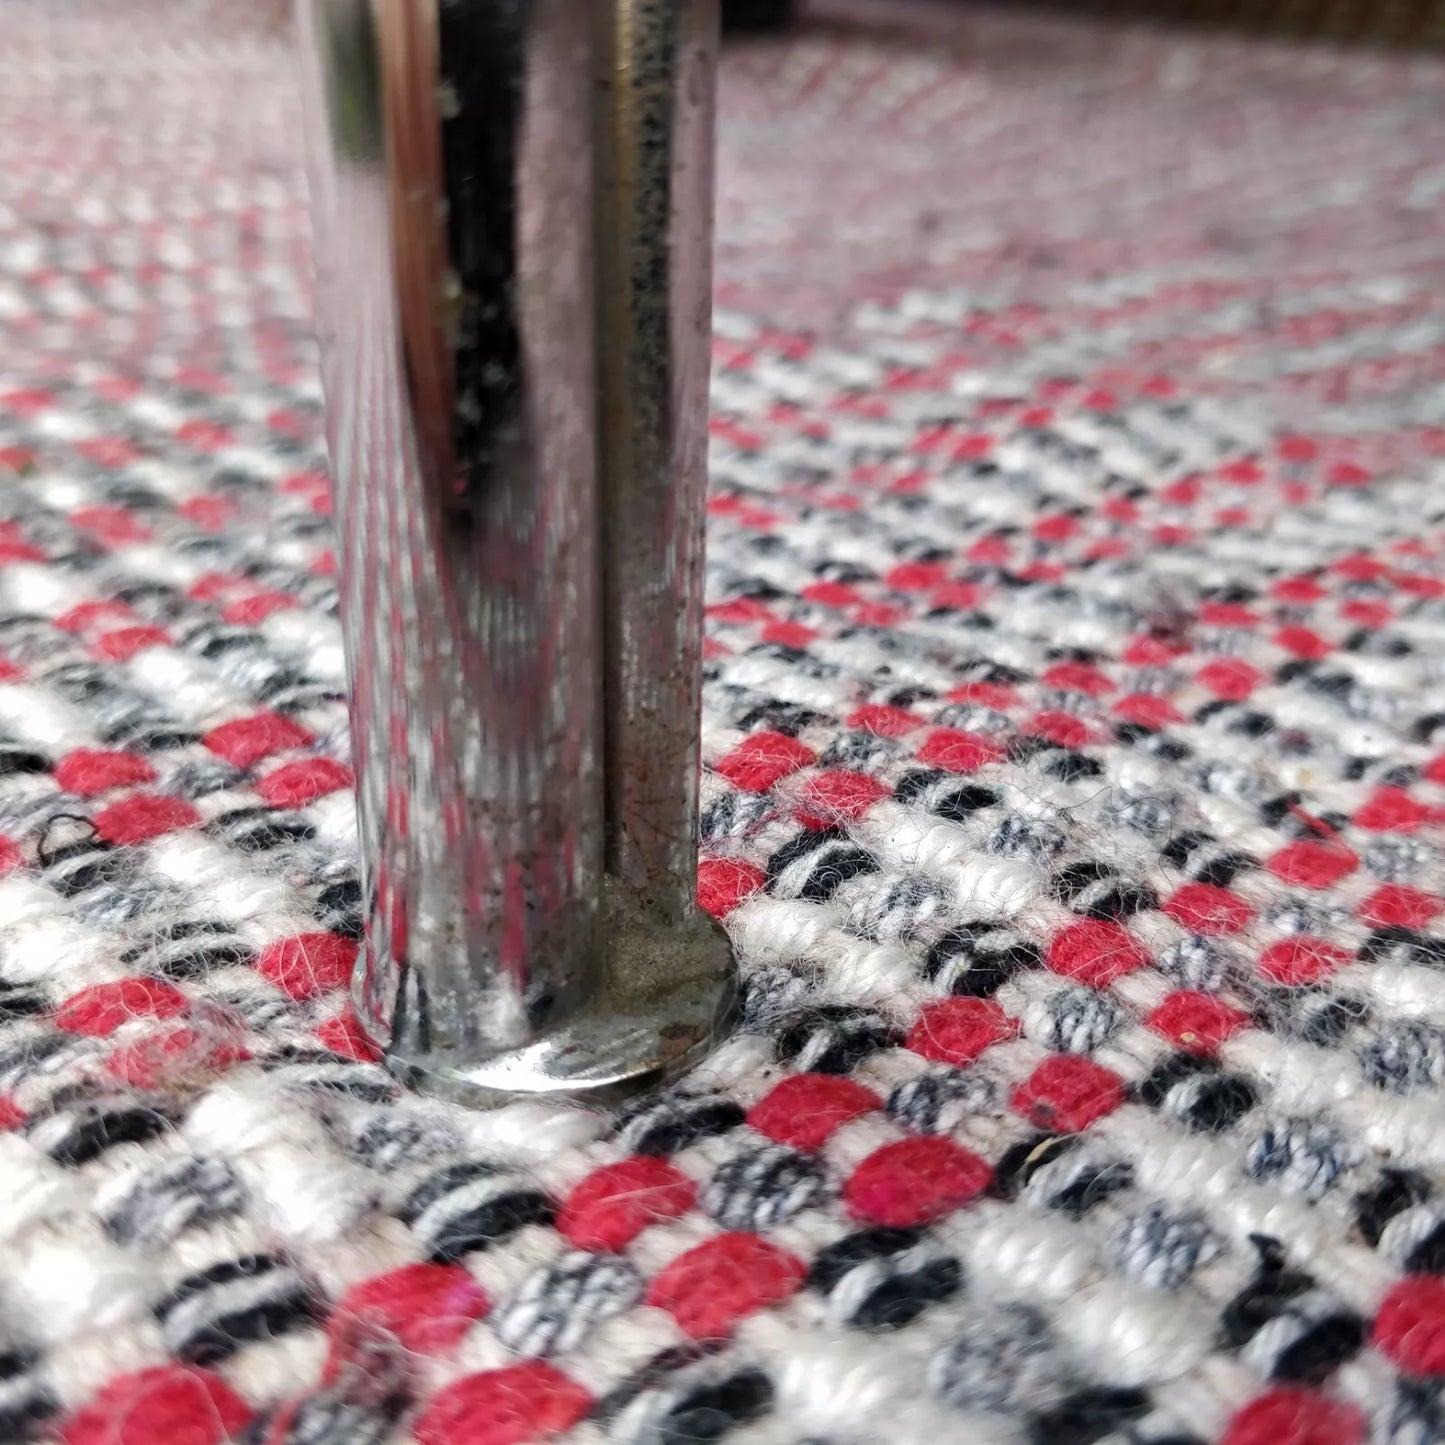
(667, 998)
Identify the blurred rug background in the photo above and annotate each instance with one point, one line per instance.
(1075, 780)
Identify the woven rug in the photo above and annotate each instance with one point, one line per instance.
(1075, 781)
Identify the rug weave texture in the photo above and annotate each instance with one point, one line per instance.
(1074, 789)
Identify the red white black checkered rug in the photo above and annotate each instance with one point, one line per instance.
(1075, 782)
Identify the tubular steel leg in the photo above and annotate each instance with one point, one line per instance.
(513, 205)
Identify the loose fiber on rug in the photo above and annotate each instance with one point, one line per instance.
(1074, 737)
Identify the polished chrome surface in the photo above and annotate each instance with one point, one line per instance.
(659, 63)
(519, 557)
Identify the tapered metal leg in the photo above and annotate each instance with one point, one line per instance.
(512, 204)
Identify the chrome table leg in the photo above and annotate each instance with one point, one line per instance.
(512, 203)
